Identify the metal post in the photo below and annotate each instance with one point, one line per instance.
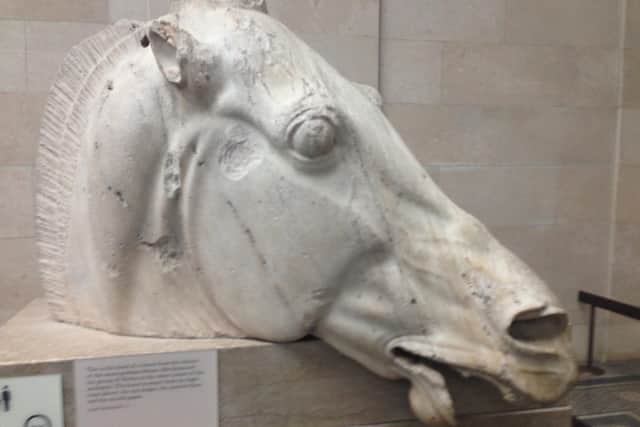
(592, 328)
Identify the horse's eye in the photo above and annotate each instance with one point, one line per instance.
(314, 138)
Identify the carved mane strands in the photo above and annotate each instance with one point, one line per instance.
(80, 79)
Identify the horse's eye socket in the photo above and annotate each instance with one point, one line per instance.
(314, 138)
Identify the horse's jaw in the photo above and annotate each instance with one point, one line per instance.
(518, 379)
(415, 320)
(364, 317)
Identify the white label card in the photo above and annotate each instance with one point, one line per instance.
(160, 390)
(31, 401)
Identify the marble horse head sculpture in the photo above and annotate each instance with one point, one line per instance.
(207, 174)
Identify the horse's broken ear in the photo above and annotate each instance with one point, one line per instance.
(171, 47)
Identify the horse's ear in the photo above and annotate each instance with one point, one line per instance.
(171, 47)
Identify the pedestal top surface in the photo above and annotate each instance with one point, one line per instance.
(33, 337)
(305, 383)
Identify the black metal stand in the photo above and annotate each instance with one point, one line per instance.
(596, 301)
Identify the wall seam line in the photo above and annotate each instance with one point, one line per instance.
(615, 171)
(380, 49)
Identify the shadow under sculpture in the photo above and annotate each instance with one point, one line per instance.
(207, 174)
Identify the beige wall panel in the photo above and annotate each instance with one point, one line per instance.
(469, 134)
(42, 68)
(16, 203)
(568, 257)
(344, 33)
(628, 210)
(355, 57)
(625, 283)
(12, 9)
(66, 10)
(580, 341)
(12, 71)
(622, 339)
(20, 116)
(584, 194)
(12, 35)
(631, 97)
(47, 45)
(632, 27)
(630, 144)
(504, 196)
(352, 17)
(58, 36)
(564, 22)
(411, 71)
(461, 20)
(128, 9)
(158, 8)
(19, 282)
(529, 75)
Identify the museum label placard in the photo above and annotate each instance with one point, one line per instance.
(160, 390)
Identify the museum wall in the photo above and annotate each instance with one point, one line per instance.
(517, 123)
(625, 281)
(34, 35)
(512, 105)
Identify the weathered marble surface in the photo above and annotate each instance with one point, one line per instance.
(207, 174)
(304, 384)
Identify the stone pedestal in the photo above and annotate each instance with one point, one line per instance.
(261, 384)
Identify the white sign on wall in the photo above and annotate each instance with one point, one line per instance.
(159, 390)
(34, 401)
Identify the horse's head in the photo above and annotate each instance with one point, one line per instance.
(308, 214)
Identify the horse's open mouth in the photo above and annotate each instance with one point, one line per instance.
(430, 396)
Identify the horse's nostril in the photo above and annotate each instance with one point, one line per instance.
(535, 325)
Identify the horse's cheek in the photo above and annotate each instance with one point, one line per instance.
(273, 236)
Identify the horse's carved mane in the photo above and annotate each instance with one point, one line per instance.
(80, 79)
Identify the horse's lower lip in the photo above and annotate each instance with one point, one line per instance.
(429, 396)
(417, 355)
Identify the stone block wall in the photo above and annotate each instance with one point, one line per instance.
(624, 334)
